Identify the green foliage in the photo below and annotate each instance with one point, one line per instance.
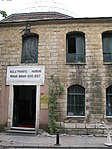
(3, 13)
(55, 89)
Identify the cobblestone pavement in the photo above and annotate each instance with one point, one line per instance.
(46, 140)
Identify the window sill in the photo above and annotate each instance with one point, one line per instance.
(71, 63)
(107, 63)
(28, 64)
(76, 116)
(108, 116)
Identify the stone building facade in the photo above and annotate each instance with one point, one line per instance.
(86, 76)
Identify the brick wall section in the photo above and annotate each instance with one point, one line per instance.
(94, 76)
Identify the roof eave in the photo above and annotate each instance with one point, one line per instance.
(59, 20)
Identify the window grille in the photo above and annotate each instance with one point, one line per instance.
(109, 101)
(76, 101)
(29, 49)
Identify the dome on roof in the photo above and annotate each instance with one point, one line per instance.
(46, 6)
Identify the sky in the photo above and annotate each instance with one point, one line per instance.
(75, 8)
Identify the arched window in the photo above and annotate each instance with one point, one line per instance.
(29, 49)
(75, 47)
(109, 101)
(107, 46)
(75, 101)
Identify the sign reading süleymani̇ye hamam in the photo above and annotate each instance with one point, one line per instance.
(25, 75)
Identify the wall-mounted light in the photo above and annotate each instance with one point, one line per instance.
(26, 31)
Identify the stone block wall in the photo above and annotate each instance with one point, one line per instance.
(93, 75)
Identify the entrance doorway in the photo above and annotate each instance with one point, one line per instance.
(24, 107)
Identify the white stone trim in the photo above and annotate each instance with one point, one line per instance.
(10, 106)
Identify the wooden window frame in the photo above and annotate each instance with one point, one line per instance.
(107, 46)
(75, 49)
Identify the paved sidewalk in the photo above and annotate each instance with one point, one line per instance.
(48, 141)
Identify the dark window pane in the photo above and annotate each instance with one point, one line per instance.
(79, 45)
(75, 47)
(109, 101)
(70, 57)
(80, 58)
(107, 57)
(76, 101)
(71, 45)
(107, 47)
(29, 49)
(109, 91)
(106, 44)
